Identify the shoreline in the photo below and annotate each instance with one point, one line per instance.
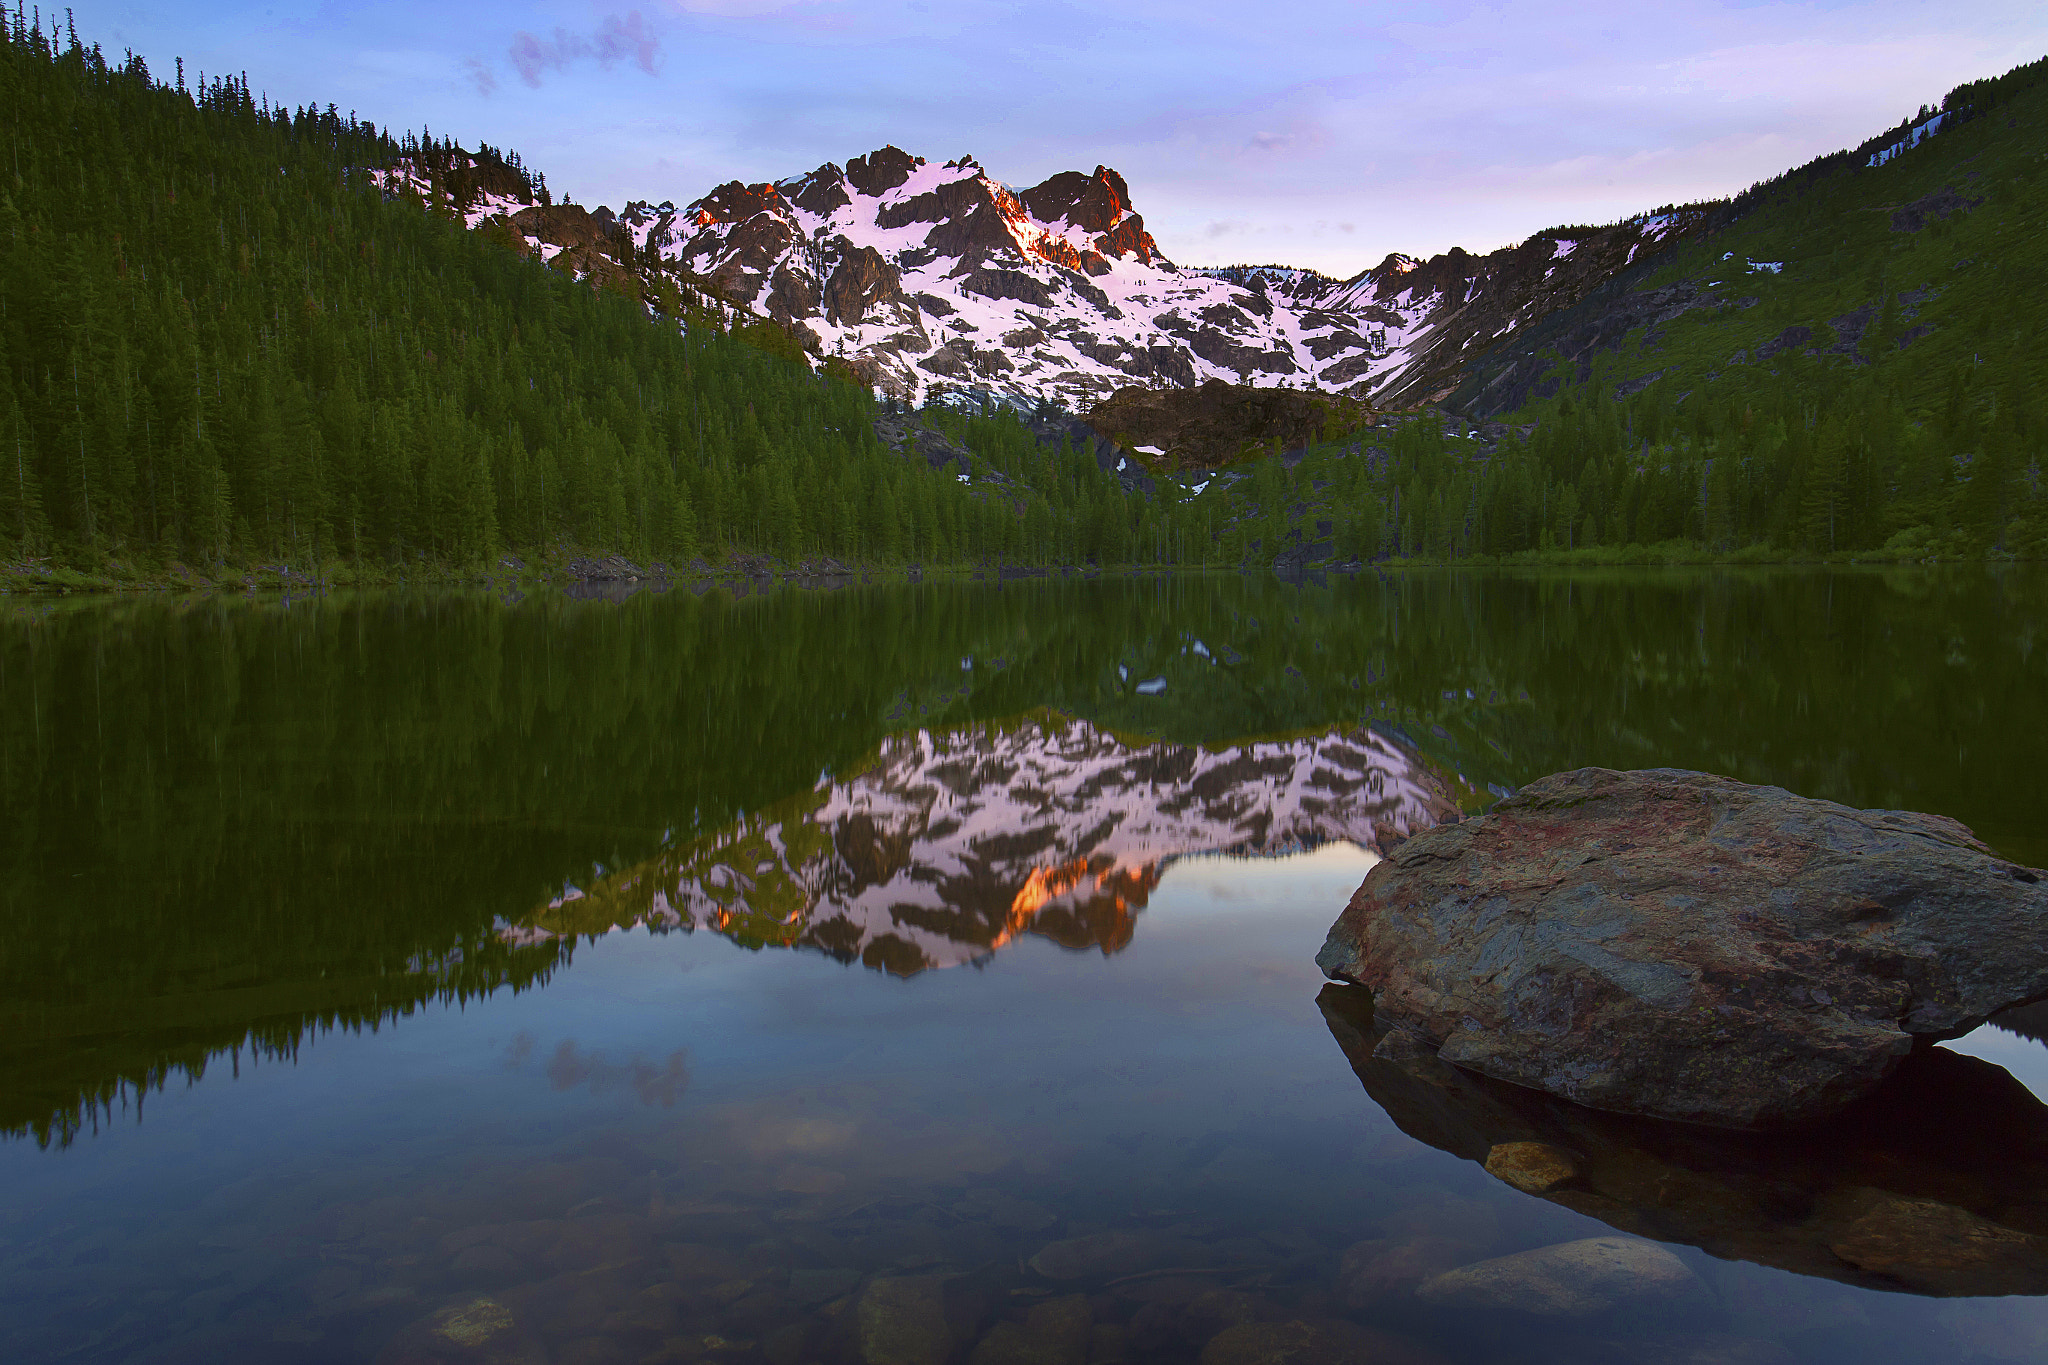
(570, 572)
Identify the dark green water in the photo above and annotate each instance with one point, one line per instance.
(364, 958)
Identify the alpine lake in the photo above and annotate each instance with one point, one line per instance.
(923, 974)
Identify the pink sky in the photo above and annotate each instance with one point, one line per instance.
(1319, 134)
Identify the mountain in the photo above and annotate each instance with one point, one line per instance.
(953, 844)
(923, 276)
(240, 342)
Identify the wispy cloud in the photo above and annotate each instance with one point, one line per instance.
(481, 77)
(655, 1083)
(620, 38)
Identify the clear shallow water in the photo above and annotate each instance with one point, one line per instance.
(321, 870)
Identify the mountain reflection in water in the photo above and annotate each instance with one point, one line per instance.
(949, 845)
(1935, 1184)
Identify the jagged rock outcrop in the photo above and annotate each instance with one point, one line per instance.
(1689, 947)
(862, 281)
(1932, 208)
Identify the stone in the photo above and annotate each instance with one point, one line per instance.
(485, 1264)
(474, 1331)
(1209, 425)
(1375, 1271)
(862, 280)
(1005, 1211)
(1009, 1344)
(602, 1349)
(1689, 947)
(1709, 1348)
(1100, 1256)
(1108, 1344)
(1583, 1279)
(1214, 1310)
(821, 1286)
(1532, 1167)
(1892, 1235)
(786, 1344)
(1064, 1324)
(2013, 1329)
(1936, 1183)
(901, 1320)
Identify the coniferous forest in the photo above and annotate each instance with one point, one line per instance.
(223, 345)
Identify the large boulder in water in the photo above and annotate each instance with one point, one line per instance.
(1689, 947)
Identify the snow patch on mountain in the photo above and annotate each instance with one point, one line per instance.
(1915, 135)
(928, 277)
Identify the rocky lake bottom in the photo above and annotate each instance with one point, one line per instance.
(408, 981)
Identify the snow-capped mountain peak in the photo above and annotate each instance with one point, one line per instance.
(922, 274)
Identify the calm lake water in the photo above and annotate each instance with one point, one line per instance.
(923, 974)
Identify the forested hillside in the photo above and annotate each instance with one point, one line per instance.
(221, 345)
(1853, 364)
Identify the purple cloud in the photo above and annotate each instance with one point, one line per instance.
(624, 37)
(628, 37)
(481, 77)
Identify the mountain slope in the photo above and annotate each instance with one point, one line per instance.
(1850, 365)
(1891, 260)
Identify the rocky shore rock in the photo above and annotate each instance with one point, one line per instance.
(1689, 947)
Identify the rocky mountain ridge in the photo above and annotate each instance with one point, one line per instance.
(920, 275)
(923, 277)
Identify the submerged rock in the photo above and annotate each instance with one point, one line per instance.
(475, 1331)
(1532, 1167)
(1331, 1341)
(1104, 1255)
(902, 1321)
(1936, 1183)
(1052, 1333)
(1582, 1279)
(1690, 947)
(1706, 1348)
(1381, 1269)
